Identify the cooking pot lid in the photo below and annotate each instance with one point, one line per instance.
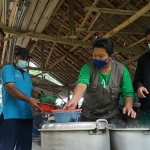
(100, 124)
(112, 127)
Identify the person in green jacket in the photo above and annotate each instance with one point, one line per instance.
(101, 82)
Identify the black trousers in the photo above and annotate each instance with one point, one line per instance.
(15, 134)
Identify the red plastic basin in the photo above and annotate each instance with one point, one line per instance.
(47, 107)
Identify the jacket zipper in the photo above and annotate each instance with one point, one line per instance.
(102, 98)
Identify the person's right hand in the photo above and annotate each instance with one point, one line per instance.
(141, 91)
(71, 104)
(34, 104)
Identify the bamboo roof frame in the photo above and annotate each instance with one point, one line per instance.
(68, 47)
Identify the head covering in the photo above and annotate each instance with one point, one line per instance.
(2, 32)
(147, 32)
(22, 51)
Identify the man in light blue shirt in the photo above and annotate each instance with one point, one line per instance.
(16, 115)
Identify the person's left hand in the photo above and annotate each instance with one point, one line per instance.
(129, 110)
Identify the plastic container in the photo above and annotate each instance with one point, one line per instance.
(47, 107)
(62, 116)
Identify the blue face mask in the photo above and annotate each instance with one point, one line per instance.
(100, 63)
(22, 64)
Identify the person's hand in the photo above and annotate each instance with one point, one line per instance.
(34, 104)
(71, 104)
(141, 91)
(129, 110)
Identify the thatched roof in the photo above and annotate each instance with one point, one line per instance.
(58, 33)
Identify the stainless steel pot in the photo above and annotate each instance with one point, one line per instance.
(130, 139)
(76, 136)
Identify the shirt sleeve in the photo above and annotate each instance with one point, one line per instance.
(84, 76)
(126, 85)
(7, 75)
(138, 77)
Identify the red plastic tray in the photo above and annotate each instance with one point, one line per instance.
(47, 107)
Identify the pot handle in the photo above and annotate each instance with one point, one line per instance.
(101, 126)
(111, 126)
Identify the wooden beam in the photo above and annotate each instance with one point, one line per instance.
(1, 9)
(46, 37)
(131, 72)
(48, 11)
(33, 47)
(50, 54)
(128, 21)
(18, 35)
(27, 19)
(123, 4)
(137, 56)
(87, 16)
(61, 23)
(53, 70)
(76, 43)
(95, 19)
(137, 42)
(42, 54)
(71, 18)
(52, 85)
(12, 13)
(4, 50)
(124, 31)
(9, 25)
(131, 59)
(54, 64)
(114, 11)
(54, 12)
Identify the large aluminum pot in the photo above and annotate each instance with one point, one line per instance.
(76, 136)
(130, 139)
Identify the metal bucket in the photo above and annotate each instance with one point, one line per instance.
(76, 136)
(130, 139)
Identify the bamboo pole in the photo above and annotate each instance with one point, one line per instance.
(12, 13)
(0, 10)
(4, 50)
(114, 11)
(9, 25)
(76, 43)
(87, 16)
(71, 18)
(93, 22)
(137, 42)
(50, 54)
(18, 35)
(128, 21)
(131, 59)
